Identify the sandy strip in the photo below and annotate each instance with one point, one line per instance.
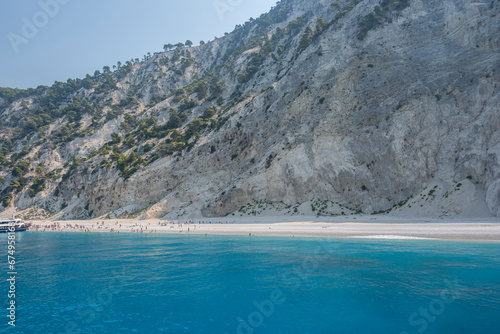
(335, 227)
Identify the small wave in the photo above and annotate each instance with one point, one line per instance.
(389, 236)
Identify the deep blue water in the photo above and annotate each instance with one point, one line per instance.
(80, 283)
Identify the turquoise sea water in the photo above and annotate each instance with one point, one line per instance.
(100, 283)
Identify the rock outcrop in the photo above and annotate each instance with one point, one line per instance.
(374, 121)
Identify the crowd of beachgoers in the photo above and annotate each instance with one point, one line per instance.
(116, 227)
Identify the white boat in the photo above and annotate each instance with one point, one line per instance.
(12, 225)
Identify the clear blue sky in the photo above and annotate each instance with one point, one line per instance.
(41, 44)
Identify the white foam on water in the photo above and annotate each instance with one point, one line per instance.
(388, 236)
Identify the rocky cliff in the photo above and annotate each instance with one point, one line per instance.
(318, 107)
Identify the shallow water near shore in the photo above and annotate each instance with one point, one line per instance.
(124, 283)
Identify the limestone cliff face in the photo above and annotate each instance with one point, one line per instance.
(369, 123)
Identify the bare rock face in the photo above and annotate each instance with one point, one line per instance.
(368, 123)
(493, 198)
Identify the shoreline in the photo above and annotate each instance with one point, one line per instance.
(361, 227)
